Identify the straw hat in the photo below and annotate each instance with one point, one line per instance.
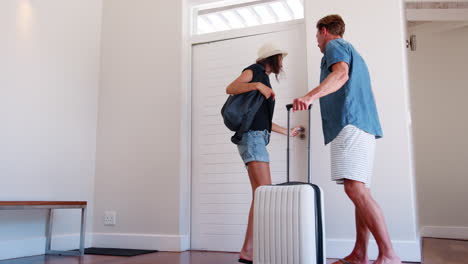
(268, 50)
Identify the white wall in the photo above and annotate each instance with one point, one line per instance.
(49, 67)
(376, 29)
(50, 57)
(138, 151)
(438, 95)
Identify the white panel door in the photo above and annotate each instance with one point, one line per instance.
(221, 192)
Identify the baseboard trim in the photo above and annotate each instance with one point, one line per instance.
(336, 248)
(10, 249)
(407, 250)
(174, 243)
(449, 232)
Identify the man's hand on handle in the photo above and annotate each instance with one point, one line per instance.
(302, 103)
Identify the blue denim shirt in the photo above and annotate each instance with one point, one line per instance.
(353, 104)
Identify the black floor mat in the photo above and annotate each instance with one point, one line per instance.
(117, 251)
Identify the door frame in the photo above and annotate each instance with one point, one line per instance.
(186, 169)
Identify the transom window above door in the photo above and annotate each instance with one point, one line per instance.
(245, 14)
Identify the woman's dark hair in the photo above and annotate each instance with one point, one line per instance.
(274, 63)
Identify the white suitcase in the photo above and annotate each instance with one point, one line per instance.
(289, 226)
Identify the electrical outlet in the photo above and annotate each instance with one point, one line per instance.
(110, 218)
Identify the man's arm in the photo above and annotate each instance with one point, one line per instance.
(334, 81)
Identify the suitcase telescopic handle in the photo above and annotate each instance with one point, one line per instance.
(288, 108)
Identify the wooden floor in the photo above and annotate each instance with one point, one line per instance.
(438, 251)
(435, 251)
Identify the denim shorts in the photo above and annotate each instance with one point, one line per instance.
(252, 147)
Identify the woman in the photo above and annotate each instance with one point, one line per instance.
(252, 147)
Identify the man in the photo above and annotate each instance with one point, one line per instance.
(351, 124)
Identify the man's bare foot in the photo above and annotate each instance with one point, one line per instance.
(353, 260)
(388, 260)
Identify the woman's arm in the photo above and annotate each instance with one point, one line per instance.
(284, 131)
(279, 129)
(243, 85)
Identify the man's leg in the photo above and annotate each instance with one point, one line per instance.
(373, 218)
(362, 238)
(359, 253)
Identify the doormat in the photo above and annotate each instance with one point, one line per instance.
(117, 251)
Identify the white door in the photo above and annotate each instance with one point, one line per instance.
(221, 192)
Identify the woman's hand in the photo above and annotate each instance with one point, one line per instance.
(265, 90)
(297, 130)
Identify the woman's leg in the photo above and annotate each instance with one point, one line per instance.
(259, 174)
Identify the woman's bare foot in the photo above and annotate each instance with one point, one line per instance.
(246, 255)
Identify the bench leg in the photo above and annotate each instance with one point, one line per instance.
(83, 231)
(49, 222)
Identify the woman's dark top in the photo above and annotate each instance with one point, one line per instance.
(264, 117)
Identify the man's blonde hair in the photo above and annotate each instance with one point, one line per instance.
(333, 23)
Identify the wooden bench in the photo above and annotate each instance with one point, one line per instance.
(50, 206)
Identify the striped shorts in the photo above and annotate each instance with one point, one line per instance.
(352, 156)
